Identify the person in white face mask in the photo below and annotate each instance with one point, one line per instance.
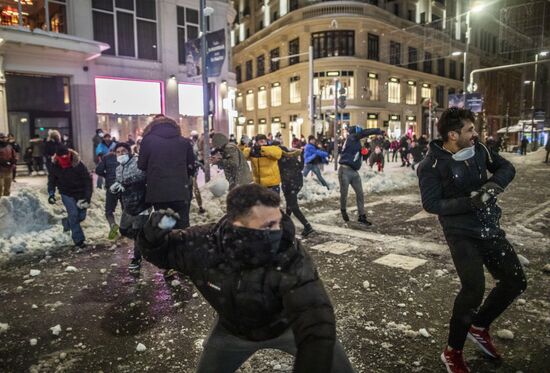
(129, 185)
(455, 185)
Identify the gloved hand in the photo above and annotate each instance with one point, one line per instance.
(51, 199)
(492, 188)
(479, 198)
(117, 188)
(159, 224)
(82, 204)
(256, 151)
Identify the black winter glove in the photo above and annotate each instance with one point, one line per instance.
(479, 199)
(51, 200)
(492, 188)
(159, 224)
(256, 151)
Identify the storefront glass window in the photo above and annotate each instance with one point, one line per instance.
(262, 98)
(373, 89)
(47, 15)
(250, 101)
(295, 90)
(276, 95)
(426, 91)
(394, 91)
(410, 98)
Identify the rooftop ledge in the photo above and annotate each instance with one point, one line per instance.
(37, 37)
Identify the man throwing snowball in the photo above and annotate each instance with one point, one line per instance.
(256, 275)
(454, 185)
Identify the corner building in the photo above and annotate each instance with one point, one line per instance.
(392, 58)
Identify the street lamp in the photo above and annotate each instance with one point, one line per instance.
(475, 9)
(533, 87)
(205, 12)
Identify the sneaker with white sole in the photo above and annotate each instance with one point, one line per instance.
(454, 361)
(482, 340)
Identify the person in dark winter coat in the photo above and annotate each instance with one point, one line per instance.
(291, 165)
(377, 157)
(8, 161)
(350, 163)
(53, 142)
(524, 143)
(17, 149)
(230, 158)
(74, 182)
(394, 148)
(38, 148)
(313, 157)
(454, 185)
(130, 186)
(96, 140)
(167, 159)
(547, 148)
(404, 145)
(106, 169)
(417, 154)
(258, 278)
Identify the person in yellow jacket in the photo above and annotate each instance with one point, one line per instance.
(265, 168)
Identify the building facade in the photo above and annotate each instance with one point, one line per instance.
(395, 60)
(77, 66)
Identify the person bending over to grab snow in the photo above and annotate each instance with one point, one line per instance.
(256, 275)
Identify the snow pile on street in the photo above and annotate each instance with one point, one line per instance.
(536, 157)
(23, 213)
(394, 177)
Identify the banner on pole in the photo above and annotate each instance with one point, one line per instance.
(215, 56)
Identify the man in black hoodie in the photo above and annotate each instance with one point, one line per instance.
(454, 185)
(258, 278)
(74, 182)
(168, 161)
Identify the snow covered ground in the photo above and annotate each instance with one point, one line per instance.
(29, 225)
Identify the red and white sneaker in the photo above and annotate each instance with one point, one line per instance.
(454, 361)
(483, 340)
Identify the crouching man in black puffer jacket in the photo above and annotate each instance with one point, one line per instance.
(257, 276)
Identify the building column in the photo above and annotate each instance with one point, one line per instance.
(84, 119)
(3, 102)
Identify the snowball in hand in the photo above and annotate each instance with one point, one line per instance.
(167, 222)
(218, 187)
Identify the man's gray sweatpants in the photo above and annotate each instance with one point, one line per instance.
(347, 176)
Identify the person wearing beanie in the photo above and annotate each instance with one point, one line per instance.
(168, 161)
(129, 185)
(74, 183)
(264, 158)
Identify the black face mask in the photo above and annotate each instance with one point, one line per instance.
(253, 246)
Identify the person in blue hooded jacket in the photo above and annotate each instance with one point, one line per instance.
(313, 156)
(350, 163)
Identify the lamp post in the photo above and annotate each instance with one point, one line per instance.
(534, 141)
(205, 12)
(474, 9)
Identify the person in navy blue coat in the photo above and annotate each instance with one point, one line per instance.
(313, 157)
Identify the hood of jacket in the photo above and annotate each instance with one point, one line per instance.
(75, 158)
(54, 135)
(163, 127)
(219, 140)
(437, 151)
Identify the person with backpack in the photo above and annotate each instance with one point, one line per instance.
(130, 186)
(106, 169)
(231, 160)
(8, 160)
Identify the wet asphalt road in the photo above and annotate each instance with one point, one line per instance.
(104, 311)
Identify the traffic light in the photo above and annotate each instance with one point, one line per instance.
(342, 98)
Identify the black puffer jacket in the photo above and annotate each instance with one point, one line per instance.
(291, 165)
(74, 181)
(107, 168)
(168, 160)
(446, 185)
(133, 181)
(255, 302)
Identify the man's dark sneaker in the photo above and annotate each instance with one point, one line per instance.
(80, 244)
(454, 361)
(344, 215)
(135, 264)
(201, 210)
(307, 230)
(482, 339)
(65, 223)
(363, 220)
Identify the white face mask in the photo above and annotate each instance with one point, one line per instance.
(122, 158)
(464, 154)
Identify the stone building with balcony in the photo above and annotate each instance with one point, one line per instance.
(77, 66)
(394, 60)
